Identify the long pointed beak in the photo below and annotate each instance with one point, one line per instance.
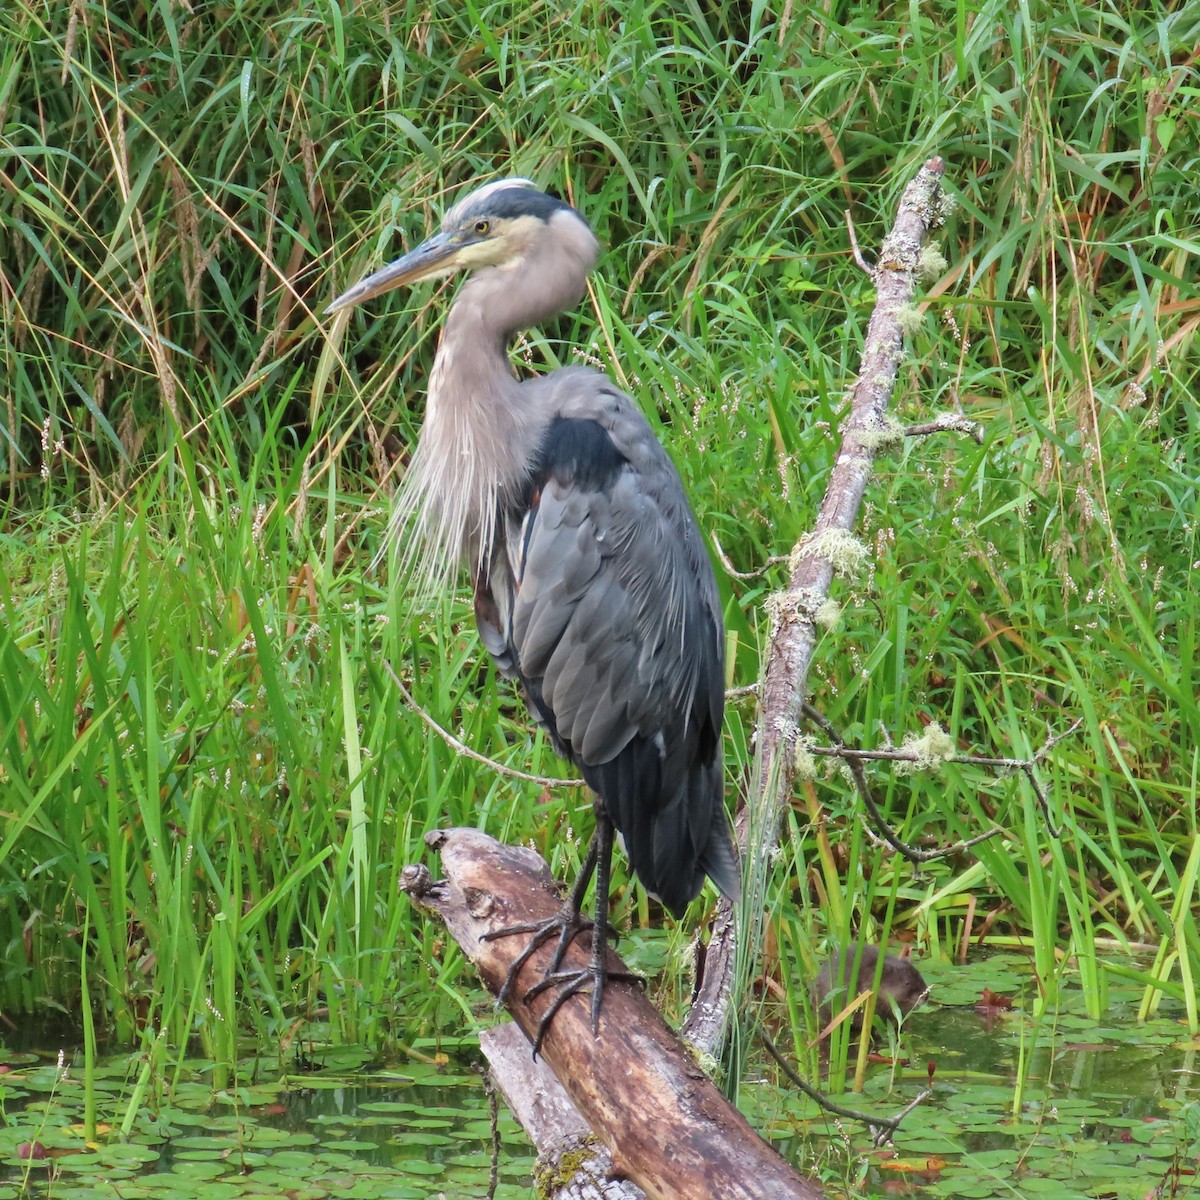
(433, 258)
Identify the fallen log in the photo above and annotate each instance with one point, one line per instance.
(665, 1124)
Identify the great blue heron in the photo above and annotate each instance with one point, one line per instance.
(591, 581)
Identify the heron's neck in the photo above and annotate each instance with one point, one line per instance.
(472, 383)
(471, 366)
(482, 428)
(478, 439)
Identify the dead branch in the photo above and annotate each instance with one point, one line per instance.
(863, 265)
(461, 747)
(853, 761)
(947, 423)
(731, 570)
(854, 758)
(665, 1124)
(790, 652)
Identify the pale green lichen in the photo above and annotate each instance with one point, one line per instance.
(844, 552)
(803, 604)
(706, 1062)
(931, 264)
(886, 435)
(779, 607)
(929, 750)
(909, 318)
(803, 762)
(550, 1177)
(828, 613)
(785, 729)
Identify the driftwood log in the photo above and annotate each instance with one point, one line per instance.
(663, 1121)
(571, 1163)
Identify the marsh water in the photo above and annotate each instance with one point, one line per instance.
(1060, 1106)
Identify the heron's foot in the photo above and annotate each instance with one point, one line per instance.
(572, 983)
(567, 925)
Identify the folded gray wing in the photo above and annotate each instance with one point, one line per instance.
(606, 616)
(613, 625)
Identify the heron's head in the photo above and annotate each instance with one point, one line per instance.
(501, 225)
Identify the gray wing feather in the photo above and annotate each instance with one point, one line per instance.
(591, 612)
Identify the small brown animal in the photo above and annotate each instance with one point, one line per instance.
(838, 984)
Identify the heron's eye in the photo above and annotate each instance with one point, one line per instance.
(482, 227)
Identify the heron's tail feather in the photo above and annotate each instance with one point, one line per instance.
(690, 839)
(720, 860)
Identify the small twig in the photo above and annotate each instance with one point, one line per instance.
(1026, 765)
(1043, 800)
(854, 759)
(854, 248)
(730, 569)
(462, 748)
(885, 1135)
(881, 1128)
(1053, 739)
(947, 423)
(749, 689)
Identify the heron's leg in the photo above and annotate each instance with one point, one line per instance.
(594, 862)
(571, 983)
(600, 859)
(567, 924)
(600, 925)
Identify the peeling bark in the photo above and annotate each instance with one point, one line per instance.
(572, 1164)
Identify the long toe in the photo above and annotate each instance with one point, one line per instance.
(571, 986)
(565, 925)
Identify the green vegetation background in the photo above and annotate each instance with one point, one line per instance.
(209, 781)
